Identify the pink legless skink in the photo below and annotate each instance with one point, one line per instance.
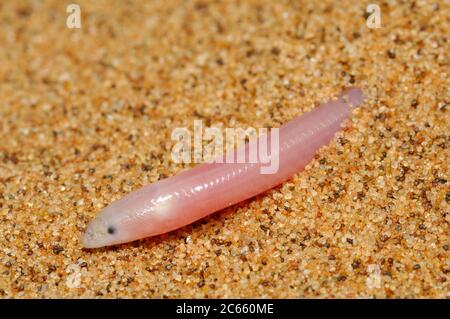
(193, 194)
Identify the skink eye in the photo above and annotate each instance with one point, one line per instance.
(111, 230)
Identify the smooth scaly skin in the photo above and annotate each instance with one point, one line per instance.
(182, 199)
